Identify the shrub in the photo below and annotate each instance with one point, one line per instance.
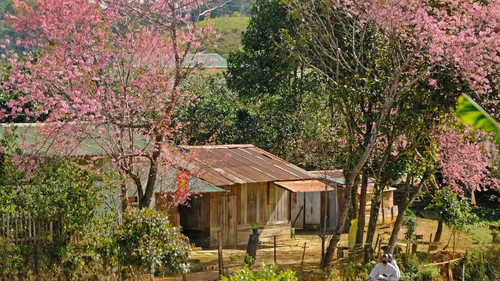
(352, 271)
(480, 264)
(249, 260)
(148, 241)
(266, 273)
(11, 258)
(409, 267)
(428, 273)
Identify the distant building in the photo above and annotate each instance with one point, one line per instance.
(388, 212)
(208, 61)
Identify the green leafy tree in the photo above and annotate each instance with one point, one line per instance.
(455, 212)
(280, 97)
(148, 241)
(64, 192)
(214, 117)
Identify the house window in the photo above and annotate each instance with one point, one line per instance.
(133, 201)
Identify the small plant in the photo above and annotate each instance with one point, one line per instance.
(249, 261)
(266, 273)
(255, 228)
(411, 222)
(351, 271)
(428, 273)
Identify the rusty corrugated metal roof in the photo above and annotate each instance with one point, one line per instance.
(337, 176)
(304, 186)
(232, 164)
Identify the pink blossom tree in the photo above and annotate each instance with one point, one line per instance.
(465, 160)
(109, 72)
(420, 38)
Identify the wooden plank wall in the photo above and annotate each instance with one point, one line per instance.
(197, 215)
(263, 204)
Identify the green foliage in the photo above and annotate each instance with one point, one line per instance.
(262, 67)
(411, 223)
(456, 213)
(283, 102)
(248, 260)
(266, 273)
(11, 258)
(412, 269)
(354, 271)
(481, 264)
(214, 117)
(469, 112)
(147, 240)
(490, 215)
(428, 273)
(3, 5)
(70, 196)
(58, 189)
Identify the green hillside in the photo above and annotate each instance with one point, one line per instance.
(230, 29)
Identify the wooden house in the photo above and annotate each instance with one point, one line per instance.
(237, 187)
(388, 211)
(314, 210)
(36, 138)
(260, 190)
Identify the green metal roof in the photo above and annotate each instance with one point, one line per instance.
(168, 182)
(211, 60)
(34, 138)
(42, 139)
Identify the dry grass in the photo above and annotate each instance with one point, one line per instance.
(290, 253)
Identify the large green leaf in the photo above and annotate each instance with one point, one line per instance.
(469, 112)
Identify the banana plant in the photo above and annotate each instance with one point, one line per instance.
(469, 112)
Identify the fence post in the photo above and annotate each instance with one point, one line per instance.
(8, 226)
(221, 261)
(274, 249)
(429, 249)
(303, 255)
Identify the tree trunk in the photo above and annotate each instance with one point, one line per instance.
(153, 173)
(439, 231)
(123, 195)
(395, 231)
(407, 201)
(330, 250)
(354, 172)
(362, 209)
(448, 243)
(372, 224)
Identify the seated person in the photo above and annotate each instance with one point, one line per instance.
(384, 270)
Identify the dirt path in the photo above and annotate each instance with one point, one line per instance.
(303, 253)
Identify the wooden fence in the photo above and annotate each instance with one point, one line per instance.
(25, 229)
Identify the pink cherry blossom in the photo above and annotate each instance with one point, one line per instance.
(109, 71)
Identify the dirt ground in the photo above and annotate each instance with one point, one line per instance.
(303, 252)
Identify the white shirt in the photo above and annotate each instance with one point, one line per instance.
(393, 263)
(387, 269)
